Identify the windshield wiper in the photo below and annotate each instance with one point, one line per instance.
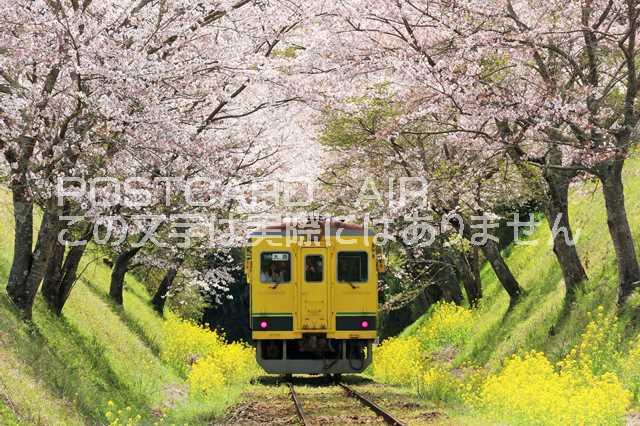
(353, 286)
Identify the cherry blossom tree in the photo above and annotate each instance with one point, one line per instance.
(157, 88)
(552, 85)
(463, 185)
(586, 110)
(95, 82)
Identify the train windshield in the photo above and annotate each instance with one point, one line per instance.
(352, 266)
(313, 268)
(275, 267)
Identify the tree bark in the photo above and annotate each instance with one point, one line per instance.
(610, 175)
(556, 208)
(120, 267)
(502, 271)
(466, 274)
(557, 212)
(160, 297)
(28, 268)
(47, 240)
(61, 276)
(450, 286)
(53, 276)
(22, 250)
(475, 268)
(491, 252)
(70, 269)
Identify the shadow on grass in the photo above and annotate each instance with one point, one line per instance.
(71, 366)
(121, 312)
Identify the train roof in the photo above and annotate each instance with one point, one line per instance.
(333, 227)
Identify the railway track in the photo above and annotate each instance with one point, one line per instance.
(298, 405)
(350, 392)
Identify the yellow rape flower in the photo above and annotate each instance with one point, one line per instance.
(209, 363)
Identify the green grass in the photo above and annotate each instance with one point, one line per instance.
(63, 371)
(533, 323)
(7, 417)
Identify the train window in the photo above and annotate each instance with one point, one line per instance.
(313, 268)
(353, 266)
(275, 267)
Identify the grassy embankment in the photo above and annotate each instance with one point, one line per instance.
(532, 324)
(64, 371)
(489, 336)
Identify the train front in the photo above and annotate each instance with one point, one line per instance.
(314, 297)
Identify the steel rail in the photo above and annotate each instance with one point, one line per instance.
(296, 403)
(372, 405)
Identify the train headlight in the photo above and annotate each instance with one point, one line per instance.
(365, 324)
(264, 324)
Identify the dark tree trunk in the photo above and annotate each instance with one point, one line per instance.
(22, 250)
(27, 273)
(475, 268)
(451, 287)
(120, 268)
(61, 276)
(628, 269)
(53, 276)
(557, 212)
(492, 252)
(160, 297)
(70, 269)
(47, 241)
(466, 274)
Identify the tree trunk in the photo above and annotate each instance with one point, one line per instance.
(160, 297)
(475, 268)
(557, 212)
(491, 252)
(450, 286)
(61, 277)
(53, 276)
(70, 269)
(47, 240)
(22, 250)
(628, 269)
(502, 271)
(120, 267)
(466, 274)
(27, 273)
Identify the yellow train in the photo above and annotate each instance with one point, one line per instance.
(314, 297)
